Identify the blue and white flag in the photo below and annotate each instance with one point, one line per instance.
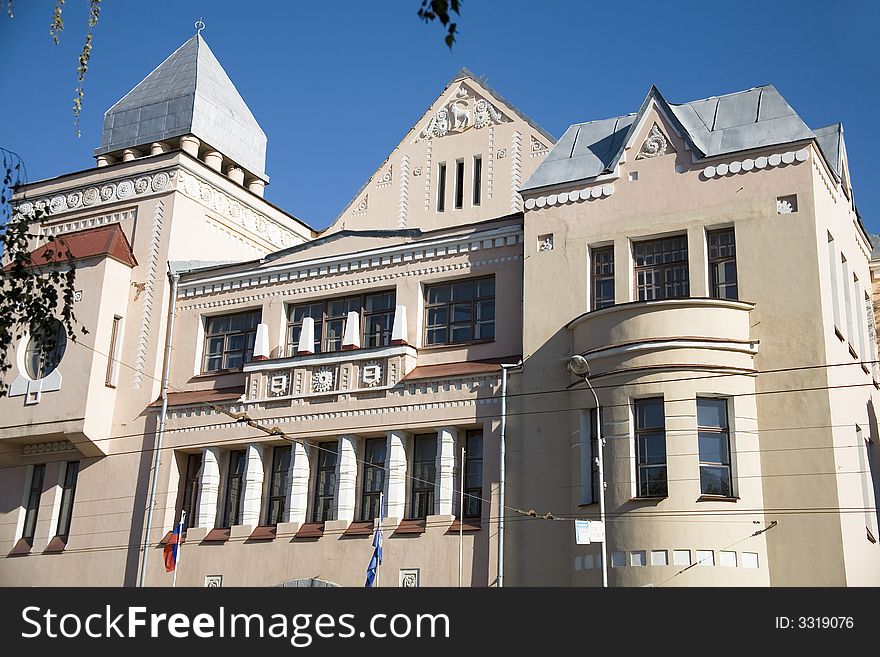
(376, 560)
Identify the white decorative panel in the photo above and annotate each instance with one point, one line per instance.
(409, 578)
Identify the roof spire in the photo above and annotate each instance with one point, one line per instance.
(199, 25)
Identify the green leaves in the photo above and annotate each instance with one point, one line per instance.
(440, 10)
(32, 296)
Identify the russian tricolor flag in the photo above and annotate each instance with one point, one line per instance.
(171, 549)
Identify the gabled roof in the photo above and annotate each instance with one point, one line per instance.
(830, 140)
(107, 241)
(714, 126)
(188, 93)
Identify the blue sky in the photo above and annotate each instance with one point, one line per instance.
(335, 86)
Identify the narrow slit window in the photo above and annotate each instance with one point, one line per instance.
(113, 353)
(33, 502)
(459, 184)
(478, 178)
(71, 474)
(441, 187)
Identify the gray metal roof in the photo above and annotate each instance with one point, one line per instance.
(830, 140)
(189, 93)
(714, 126)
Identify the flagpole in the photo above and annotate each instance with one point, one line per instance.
(461, 520)
(179, 548)
(381, 541)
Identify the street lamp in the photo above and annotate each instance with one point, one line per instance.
(580, 367)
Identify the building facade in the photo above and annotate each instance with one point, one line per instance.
(372, 350)
(272, 386)
(718, 287)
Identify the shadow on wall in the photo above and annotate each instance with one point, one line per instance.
(139, 503)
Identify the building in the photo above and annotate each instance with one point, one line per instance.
(375, 346)
(717, 283)
(706, 259)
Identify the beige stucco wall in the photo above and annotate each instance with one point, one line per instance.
(801, 459)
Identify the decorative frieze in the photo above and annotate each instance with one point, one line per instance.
(516, 172)
(756, 164)
(508, 236)
(403, 197)
(574, 196)
(48, 448)
(538, 148)
(329, 287)
(238, 213)
(153, 271)
(112, 191)
(90, 222)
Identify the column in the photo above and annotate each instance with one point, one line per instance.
(209, 488)
(398, 330)
(253, 486)
(446, 483)
(298, 476)
(346, 478)
(214, 160)
(395, 465)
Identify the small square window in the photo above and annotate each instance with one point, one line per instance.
(681, 557)
(577, 563)
(727, 559)
(618, 559)
(588, 562)
(705, 558)
(633, 176)
(637, 558)
(786, 204)
(659, 558)
(749, 559)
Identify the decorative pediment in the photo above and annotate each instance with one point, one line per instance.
(655, 145)
(466, 109)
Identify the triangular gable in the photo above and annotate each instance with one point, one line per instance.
(487, 146)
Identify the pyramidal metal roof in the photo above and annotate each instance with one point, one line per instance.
(188, 93)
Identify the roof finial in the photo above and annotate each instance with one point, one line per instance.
(199, 25)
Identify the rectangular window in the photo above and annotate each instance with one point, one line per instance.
(229, 340)
(457, 313)
(424, 472)
(375, 311)
(113, 353)
(478, 178)
(661, 268)
(722, 263)
(441, 187)
(71, 474)
(835, 298)
(279, 485)
(847, 301)
(473, 474)
(325, 482)
(871, 353)
(378, 318)
(651, 447)
(33, 502)
(603, 277)
(191, 488)
(594, 460)
(459, 184)
(714, 445)
(234, 487)
(857, 296)
(874, 473)
(374, 477)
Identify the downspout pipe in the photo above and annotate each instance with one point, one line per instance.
(501, 469)
(160, 433)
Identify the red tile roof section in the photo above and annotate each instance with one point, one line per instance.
(197, 396)
(450, 369)
(94, 242)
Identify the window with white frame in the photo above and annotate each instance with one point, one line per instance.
(714, 447)
(650, 433)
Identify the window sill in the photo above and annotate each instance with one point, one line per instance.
(263, 533)
(446, 345)
(310, 530)
(838, 333)
(217, 535)
(21, 548)
(208, 375)
(852, 351)
(716, 498)
(469, 525)
(411, 526)
(56, 545)
(865, 368)
(360, 528)
(648, 498)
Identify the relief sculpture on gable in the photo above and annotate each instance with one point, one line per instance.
(466, 110)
